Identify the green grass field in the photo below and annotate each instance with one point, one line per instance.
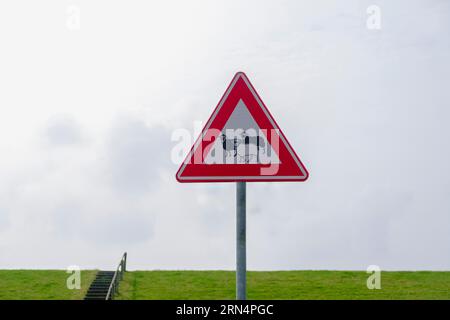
(44, 284)
(284, 285)
(41, 285)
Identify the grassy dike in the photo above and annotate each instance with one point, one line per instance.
(284, 285)
(51, 284)
(41, 285)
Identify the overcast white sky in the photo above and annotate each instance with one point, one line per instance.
(86, 117)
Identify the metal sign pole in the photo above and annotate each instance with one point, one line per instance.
(241, 260)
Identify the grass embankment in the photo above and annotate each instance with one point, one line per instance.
(51, 284)
(284, 285)
(41, 285)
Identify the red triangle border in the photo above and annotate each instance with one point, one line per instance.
(291, 167)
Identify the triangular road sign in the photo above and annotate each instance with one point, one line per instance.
(241, 142)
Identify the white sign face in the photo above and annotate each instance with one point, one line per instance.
(241, 141)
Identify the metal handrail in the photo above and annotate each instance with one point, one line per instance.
(118, 275)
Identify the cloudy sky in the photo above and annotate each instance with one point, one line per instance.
(92, 91)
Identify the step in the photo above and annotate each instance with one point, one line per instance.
(97, 295)
(103, 279)
(99, 286)
(98, 290)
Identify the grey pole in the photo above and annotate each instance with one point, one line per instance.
(241, 260)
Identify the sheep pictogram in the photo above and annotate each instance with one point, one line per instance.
(229, 145)
(247, 147)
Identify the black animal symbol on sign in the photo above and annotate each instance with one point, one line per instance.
(231, 146)
(256, 141)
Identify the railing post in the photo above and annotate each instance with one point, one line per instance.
(118, 276)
